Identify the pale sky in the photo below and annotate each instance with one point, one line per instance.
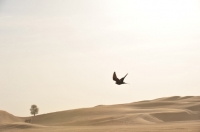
(61, 54)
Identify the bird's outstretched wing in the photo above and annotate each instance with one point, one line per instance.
(115, 77)
(122, 79)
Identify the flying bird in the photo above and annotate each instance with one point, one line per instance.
(119, 81)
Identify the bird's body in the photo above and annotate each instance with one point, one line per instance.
(119, 81)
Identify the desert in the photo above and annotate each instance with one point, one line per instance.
(99, 65)
(169, 114)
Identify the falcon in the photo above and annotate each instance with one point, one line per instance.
(119, 81)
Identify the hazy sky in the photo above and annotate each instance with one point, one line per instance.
(61, 54)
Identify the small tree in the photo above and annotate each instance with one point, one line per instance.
(34, 110)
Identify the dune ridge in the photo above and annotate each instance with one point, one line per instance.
(6, 117)
(168, 109)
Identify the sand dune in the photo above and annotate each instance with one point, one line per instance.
(170, 110)
(6, 117)
(145, 112)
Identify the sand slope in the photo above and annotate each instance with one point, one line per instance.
(160, 110)
(6, 117)
(170, 114)
(145, 112)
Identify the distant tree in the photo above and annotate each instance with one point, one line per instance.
(34, 110)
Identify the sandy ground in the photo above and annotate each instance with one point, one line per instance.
(192, 126)
(171, 114)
